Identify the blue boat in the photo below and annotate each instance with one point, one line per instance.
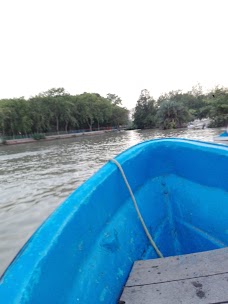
(222, 137)
(84, 252)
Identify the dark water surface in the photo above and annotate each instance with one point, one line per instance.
(35, 178)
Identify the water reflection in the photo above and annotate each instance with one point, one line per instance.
(36, 178)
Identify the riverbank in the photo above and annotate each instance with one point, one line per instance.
(53, 137)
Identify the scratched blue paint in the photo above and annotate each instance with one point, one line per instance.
(84, 251)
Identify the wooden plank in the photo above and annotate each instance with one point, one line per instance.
(179, 267)
(205, 290)
(193, 278)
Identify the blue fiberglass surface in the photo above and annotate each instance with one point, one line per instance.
(224, 134)
(84, 251)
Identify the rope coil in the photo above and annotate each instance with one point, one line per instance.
(137, 209)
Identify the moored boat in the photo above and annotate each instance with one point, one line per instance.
(198, 124)
(222, 137)
(84, 251)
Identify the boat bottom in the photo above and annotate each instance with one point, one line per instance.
(183, 216)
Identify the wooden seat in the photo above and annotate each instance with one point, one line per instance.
(192, 278)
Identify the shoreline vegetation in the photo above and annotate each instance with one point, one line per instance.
(177, 109)
(57, 114)
(56, 111)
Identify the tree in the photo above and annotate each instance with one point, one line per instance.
(145, 111)
(40, 113)
(217, 100)
(55, 97)
(69, 113)
(195, 102)
(15, 117)
(171, 115)
(170, 96)
(87, 109)
(115, 100)
(5, 113)
(103, 111)
(192, 100)
(120, 116)
(54, 92)
(57, 110)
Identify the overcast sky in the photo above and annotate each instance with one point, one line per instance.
(117, 46)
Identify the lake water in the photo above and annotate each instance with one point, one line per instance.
(35, 178)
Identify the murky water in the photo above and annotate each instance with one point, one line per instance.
(35, 178)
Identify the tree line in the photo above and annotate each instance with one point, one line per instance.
(176, 108)
(56, 110)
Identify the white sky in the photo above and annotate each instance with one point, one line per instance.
(117, 46)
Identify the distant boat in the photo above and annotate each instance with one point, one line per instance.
(222, 137)
(199, 124)
(84, 251)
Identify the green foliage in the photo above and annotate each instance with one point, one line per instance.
(38, 136)
(175, 108)
(115, 100)
(218, 102)
(172, 115)
(119, 116)
(192, 100)
(145, 111)
(14, 116)
(56, 110)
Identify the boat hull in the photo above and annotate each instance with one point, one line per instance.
(84, 252)
(221, 138)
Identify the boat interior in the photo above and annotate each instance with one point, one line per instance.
(95, 236)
